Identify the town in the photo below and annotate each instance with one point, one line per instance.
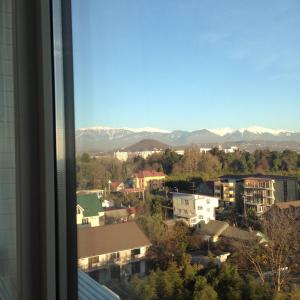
(191, 224)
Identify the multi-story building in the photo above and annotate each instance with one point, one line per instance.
(111, 251)
(121, 155)
(258, 191)
(89, 210)
(225, 191)
(145, 178)
(194, 208)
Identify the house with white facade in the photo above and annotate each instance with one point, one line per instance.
(112, 251)
(194, 208)
(89, 210)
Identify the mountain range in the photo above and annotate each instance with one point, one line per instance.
(95, 139)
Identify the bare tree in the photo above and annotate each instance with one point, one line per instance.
(274, 255)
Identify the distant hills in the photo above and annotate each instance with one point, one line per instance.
(110, 139)
(147, 145)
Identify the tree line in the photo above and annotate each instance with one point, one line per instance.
(95, 172)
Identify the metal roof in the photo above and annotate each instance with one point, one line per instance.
(89, 289)
(91, 204)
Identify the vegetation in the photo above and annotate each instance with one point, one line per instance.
(183, 170)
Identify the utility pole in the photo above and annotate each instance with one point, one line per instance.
(109, 183)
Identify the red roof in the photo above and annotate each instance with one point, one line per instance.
(115, 183)
(149, 173)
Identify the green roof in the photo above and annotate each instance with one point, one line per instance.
(91, 204)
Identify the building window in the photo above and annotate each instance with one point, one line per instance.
(94, 259)
(186, 202)
(78, 211)
(200, 207)
(208, 209)
(200, 217)
(85, 221)
(207, 201)
(115, 256)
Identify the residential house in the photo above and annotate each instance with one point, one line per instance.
(215, 229)
(146, 179)
(117, 185)
(194, 208)
(90, 212)
(112, 251)
(119, 215)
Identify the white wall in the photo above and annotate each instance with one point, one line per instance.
(124, 257)
(195, 208)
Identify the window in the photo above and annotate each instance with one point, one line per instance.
(78, 211)
(186, 202)
(85, 221)
(94, 259)
(200, 217)
(200, 207)
(207, 201)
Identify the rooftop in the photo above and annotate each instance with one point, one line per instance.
(88, 288)
(284, 205)
(91, 204)
(100, 240)
(257, 176)
(221, 228)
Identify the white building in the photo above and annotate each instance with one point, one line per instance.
(146, 154)
(180, 152)
(232, 149)
(194, 208)
(121, 155)
(205, 150)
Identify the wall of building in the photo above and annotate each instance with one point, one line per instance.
(7, 157)
(195, 209)
(105, 259)
(286, 190)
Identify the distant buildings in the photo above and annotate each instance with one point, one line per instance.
(122, 156)
(89, 209)
(111, 251)
(194, 208)
(148, 179)
(257, 192)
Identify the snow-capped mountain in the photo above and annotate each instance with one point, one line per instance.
(251, 129)
(105, 138)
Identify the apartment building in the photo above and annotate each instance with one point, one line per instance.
(111, 251)
(194, 208)
(258, 192)
(225, 192)
(89, 211)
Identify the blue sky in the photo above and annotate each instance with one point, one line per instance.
(187, 64)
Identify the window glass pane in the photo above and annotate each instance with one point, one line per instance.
(167, 93)
(7, 157)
